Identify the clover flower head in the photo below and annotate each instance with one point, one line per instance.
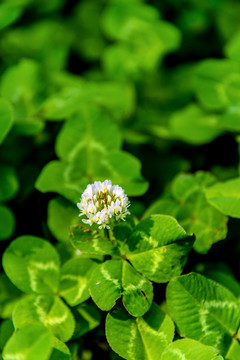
(103, 203)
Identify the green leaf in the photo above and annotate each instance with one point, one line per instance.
(22, 85)
(52, 38)
(74, 280)
(230, 119)
(65, 103)
(88, 135)
(141, 338)
(116, 278)
(9, 184)
(225, 197)
(186, 186)
(158, 248)
(232, 48)
(49, 310)
(217, 83)
(105, 284)
(6, 331)
(88, 147)
(189, 349)
(144, 40)
(187, 202)
(61, 214)
(123, 169)
(70, 180)
(33, 341)
(117, 99)
(116, 17)
(9, 295)
(132, 22)
(222, 274)
(234, 351)
(92, 41)
(87, 317)
(9, 13)
(6, 115)
(56, 177)
(194, 125)
(137, 291)
(32, 264)
(203, 310)
(195, 214)
(88, 241)
(7, 222)
(60, 351)
(21, 80)
(163, 206)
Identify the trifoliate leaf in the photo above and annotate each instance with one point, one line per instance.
(71, 179)
(187, 202)
(116, 98)
(88, 135)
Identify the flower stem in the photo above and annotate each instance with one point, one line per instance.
(106, 233)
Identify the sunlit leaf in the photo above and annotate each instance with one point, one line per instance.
(32, 264)
(141, 338)
(33, 341)
(158, 248)
(225, 197)
(189, 349)
(203, 310)
(116, 278)
(49, 310)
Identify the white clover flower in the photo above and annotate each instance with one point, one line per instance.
(103, 204)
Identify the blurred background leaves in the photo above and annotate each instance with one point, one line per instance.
(145, 93)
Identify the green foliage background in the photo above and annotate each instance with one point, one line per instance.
(146, 94)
